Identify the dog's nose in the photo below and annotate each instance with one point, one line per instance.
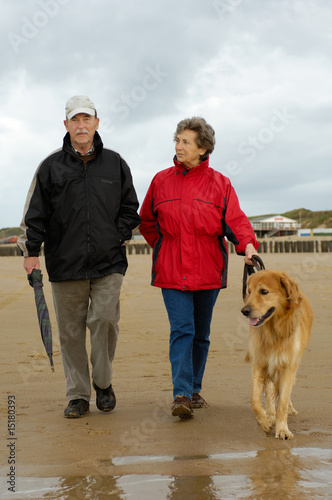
(246, 310)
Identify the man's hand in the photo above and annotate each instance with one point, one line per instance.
(31, 263)
(249, 252)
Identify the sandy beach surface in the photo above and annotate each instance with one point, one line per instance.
(221, 449)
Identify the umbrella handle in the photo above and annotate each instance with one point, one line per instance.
(35, 278)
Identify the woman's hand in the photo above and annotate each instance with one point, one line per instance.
(249, 252)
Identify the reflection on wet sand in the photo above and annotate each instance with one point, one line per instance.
(276, 474)
(180, 487)
(208, 487)
(263, 475)
(82, 488)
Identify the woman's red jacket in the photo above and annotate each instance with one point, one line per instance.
(186, 215)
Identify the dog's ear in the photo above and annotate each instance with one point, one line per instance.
(245, 289)
(291, 287)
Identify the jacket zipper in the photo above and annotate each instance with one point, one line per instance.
(87, 219)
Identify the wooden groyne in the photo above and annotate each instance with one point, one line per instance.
(265, 246)
(298, 246)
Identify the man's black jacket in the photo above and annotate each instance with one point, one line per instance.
(82, 213)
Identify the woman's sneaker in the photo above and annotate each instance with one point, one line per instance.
(197, 401)
(182, 407)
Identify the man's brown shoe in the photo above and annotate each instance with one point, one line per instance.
(182, 407)
(197, 401)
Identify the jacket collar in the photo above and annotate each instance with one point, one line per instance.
(194, 171)
(97, 143)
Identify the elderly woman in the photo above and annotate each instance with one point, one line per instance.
(188, 211)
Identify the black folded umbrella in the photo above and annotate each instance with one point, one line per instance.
(36, 281)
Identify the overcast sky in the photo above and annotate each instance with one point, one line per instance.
(259, 71)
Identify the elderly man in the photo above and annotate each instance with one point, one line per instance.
(82, 205)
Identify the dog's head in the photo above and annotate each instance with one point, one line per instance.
(269, 293)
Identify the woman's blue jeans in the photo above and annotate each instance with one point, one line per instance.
(190, 315)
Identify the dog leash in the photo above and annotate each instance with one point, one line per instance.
(258, 265)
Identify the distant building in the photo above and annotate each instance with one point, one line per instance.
(276, 225)
(8, 239)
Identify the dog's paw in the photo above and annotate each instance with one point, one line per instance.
(284, 434)
(291, 409)
(266, 424)
(272, 417)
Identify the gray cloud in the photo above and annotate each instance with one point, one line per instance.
(149, 64)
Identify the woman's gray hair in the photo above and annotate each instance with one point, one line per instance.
(205, 134)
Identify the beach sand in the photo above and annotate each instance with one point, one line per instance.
(48, 445)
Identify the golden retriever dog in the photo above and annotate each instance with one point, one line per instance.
(280, 318)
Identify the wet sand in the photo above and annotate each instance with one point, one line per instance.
(140, 437)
